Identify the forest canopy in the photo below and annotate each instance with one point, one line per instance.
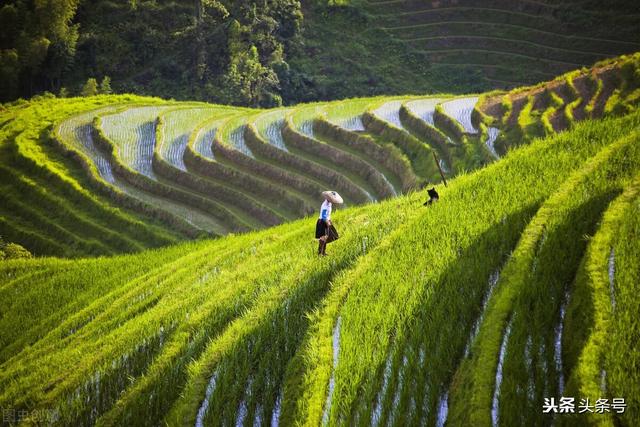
(219, 50)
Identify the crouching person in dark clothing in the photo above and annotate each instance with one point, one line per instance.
(433, 197)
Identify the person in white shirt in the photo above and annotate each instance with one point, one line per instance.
(324, 219)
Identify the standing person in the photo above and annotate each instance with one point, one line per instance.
(324, 220)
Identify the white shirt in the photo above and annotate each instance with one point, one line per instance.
(325, 210)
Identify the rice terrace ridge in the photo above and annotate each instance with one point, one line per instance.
(157, 258)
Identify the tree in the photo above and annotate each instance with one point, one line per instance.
(250, 79)
(16, 251)
(105, 86)
(12, 251)
(90, 88)
(41, 35)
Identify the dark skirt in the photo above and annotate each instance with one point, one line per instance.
(321, 228)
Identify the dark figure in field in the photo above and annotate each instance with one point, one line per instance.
(325, 232)
(433, 197)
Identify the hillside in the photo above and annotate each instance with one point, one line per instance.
(254, 329)
(461, 45)
(176, 279)
(267, 53)
(124, 173)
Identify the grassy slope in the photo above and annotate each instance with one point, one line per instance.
(141, 342)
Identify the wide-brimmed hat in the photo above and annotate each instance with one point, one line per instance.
(333, 197)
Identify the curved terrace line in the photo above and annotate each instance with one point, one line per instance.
(272, 131)
(472, 8)
(384, 2)
(390, 112)
(424, 108)
(417, 39)
(467, 8)
(500, 24)
(499, 52)
(507, 82)
(478, 65)
(172, 146)
(460, 109)
(133, 133)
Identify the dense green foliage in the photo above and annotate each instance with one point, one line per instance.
(219, 50)
(265, 53)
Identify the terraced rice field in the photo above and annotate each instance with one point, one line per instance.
(254, 328)
(506, 43)
(519, 285)
(368, 149)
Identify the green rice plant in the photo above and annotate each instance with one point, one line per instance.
(340, 124)
(318, 174)
(598, 307)
(15, 230)
(622, 379)
(355, 171)
(479, 116)
(475, 382)
(299, 137)
(569, 108)
(367, 334)
(65, 294)
(145, 295)
(231, 359)
(527, 123)
(448, 124)
(422, 126)
(76, 220)
(460, 109)
(592, 102)
(43, 162)
(387, 158)
(175, 125)
(269, 126)
(454, 116)
(268, 165)
(347, 113)
(186, 344)
(33, 219)
(542, 300)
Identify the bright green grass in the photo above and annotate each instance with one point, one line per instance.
(136, 339)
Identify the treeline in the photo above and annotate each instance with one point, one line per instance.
(231, 51)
